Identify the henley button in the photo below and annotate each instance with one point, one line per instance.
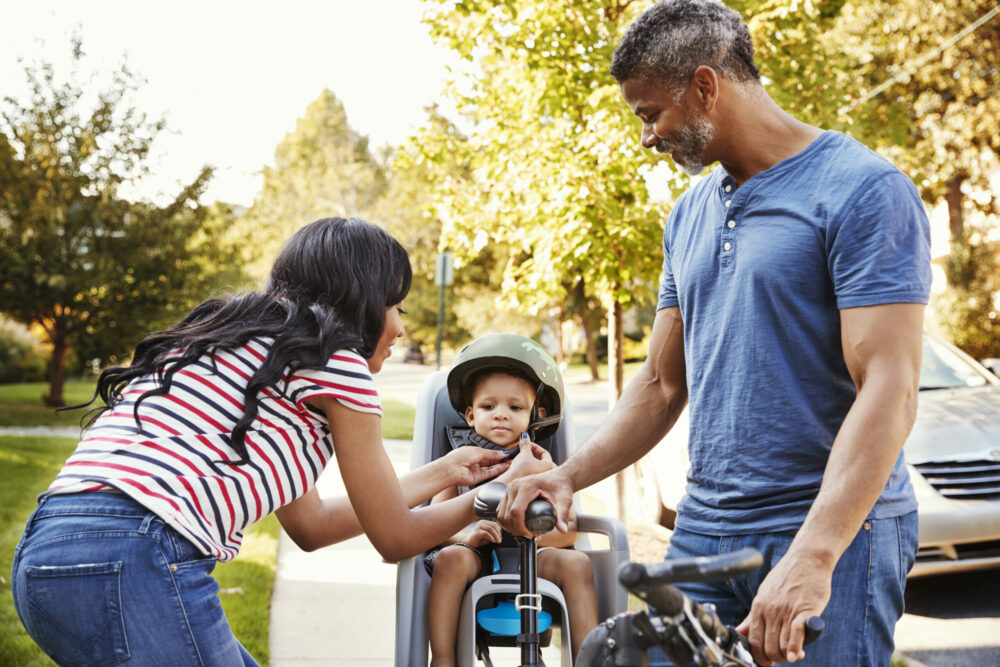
(728, 188)
(728, 202)
(728, 246)
(731, 224)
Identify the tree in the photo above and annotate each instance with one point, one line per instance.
(323, 168)
(923, 86)
(554, 159)
(437, 159)
(94, 270)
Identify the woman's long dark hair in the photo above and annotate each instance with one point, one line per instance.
(328, 290)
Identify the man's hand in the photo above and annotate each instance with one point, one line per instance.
(797, 588)
(484, 532)
(553, 485)
(469, 466)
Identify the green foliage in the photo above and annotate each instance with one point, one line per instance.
(940, 119)
(397, 419)
(92, 269)
(788, 38)
(921, 85)
(322, 169)
(967, 313)
(554, 187)
(21, 357)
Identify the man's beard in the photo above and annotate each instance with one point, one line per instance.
(692, 140)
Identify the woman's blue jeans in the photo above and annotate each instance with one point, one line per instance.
(99, 580)
(865, 602)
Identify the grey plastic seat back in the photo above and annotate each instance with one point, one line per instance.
(433, 413)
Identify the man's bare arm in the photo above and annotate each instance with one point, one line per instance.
(882, 348)
(648, 407)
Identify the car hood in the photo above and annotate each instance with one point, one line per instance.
(956, 423)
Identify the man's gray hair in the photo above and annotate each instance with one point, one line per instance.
(673, 38)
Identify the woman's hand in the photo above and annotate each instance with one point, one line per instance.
(530, 460)
(468, 466)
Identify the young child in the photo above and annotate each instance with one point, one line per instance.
(226, 417)
(504, 385)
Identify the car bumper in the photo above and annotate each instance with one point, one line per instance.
(955, 536)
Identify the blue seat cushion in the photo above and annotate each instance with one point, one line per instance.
(505, 620)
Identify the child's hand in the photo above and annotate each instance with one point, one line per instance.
(484, 532)
(467, 466)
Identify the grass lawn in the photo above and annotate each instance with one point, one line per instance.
(21, 404)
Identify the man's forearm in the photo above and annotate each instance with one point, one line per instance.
(640, 419)
(861, 460)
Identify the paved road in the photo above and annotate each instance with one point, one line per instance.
(951, 621)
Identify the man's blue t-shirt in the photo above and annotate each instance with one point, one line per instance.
(760, 273)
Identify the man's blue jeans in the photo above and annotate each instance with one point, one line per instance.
(99, 580)
(866, 599)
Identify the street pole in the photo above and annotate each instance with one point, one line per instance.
(442, 277)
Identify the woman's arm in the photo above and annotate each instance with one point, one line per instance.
(374, 491)
(314, 522)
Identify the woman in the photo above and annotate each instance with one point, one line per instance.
(231, 415)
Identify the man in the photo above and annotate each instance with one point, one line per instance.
(790, 313)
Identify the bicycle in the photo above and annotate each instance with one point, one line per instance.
(688, 632)
(540, 518)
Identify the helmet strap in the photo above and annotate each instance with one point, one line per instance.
(534, 404)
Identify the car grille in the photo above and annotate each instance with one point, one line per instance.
(963, 480)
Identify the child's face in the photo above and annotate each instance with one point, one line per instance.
(501, 408)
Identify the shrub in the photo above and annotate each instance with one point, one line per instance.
(22, 358)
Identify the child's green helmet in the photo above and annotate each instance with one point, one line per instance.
(510, 353)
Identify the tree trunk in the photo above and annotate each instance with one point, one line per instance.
(57, 377)
(953, 195)
(560, 351)
(616, 342)
(615, 378)
(590, 336)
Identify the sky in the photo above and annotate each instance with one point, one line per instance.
(232, 78)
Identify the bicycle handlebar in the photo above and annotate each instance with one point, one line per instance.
(540, 517)
(687, 631)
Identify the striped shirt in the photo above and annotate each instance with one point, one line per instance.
(176, 464)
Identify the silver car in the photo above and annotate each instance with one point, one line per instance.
(953, 455)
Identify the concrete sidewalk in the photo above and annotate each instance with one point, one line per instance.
(335, 607)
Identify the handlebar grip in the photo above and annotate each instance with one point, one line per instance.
(814, 626)
(667, 600)
(488, 499)
(703, 568)
(539, 516)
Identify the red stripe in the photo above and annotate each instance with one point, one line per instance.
(232, 511)
(224, 457)
(180, 515)
(113, 466)
(291, 450)
(243, 374)
(274, 472)
(200, 413)
(194, 497)
(350, 360)
(255, 353)
(342, 387)
(215, 388)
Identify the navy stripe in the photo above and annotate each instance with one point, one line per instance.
(296, 434)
